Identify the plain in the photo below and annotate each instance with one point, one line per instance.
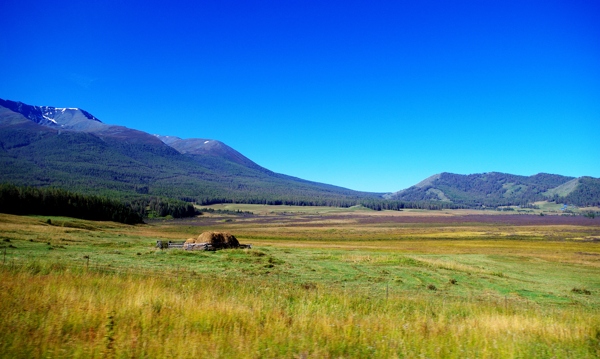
(318, 283)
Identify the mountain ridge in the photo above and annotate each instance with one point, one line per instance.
(493, 189)
(71, 153)
(69, 147)
(202, 146)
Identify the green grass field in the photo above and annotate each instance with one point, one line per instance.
(341, 284)
(272, 209)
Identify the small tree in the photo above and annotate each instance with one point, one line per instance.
(590, 214)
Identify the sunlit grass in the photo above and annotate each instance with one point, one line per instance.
(84, 289)
(81, 313)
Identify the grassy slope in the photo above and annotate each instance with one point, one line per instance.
(322, 288)
(564, 189)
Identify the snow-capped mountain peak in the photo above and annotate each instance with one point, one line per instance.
(68, 118)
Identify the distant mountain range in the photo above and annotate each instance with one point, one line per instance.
(500, 189)
(72, 149)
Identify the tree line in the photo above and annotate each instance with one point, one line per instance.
(58, 202)
(24, 200)
(374, 204)
(152, 207)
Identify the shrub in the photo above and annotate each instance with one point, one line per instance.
(581, 291)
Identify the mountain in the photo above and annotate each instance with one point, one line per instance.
(500, 189)
(70, 119)
(199, 147)
(70, 148)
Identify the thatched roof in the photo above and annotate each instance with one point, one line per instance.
(216, 239)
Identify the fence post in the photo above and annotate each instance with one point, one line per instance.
(387, 291)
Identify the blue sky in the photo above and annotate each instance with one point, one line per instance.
(369, 95)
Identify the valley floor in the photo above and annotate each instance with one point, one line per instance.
(322, 283)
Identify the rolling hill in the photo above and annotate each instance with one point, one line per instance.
(501, 189)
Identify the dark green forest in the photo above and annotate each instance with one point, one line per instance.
(153, 207)
(58, 202)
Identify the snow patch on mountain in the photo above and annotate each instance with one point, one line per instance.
(50, 119)
(67, 118)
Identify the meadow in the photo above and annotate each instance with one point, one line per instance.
(318, 283)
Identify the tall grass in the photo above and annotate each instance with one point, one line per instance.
(83, 289)
(53, 310)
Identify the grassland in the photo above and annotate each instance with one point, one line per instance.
(543, 207)
(273, 209)
(317, 284)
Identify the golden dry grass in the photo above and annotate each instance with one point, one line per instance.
(310, 288)
(94, 315)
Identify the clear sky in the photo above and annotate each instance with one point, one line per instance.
(369, 95)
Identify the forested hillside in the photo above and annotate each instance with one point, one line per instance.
(586, 193)
(128, 164)
(501, 189)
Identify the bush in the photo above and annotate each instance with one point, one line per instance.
(581, 291)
